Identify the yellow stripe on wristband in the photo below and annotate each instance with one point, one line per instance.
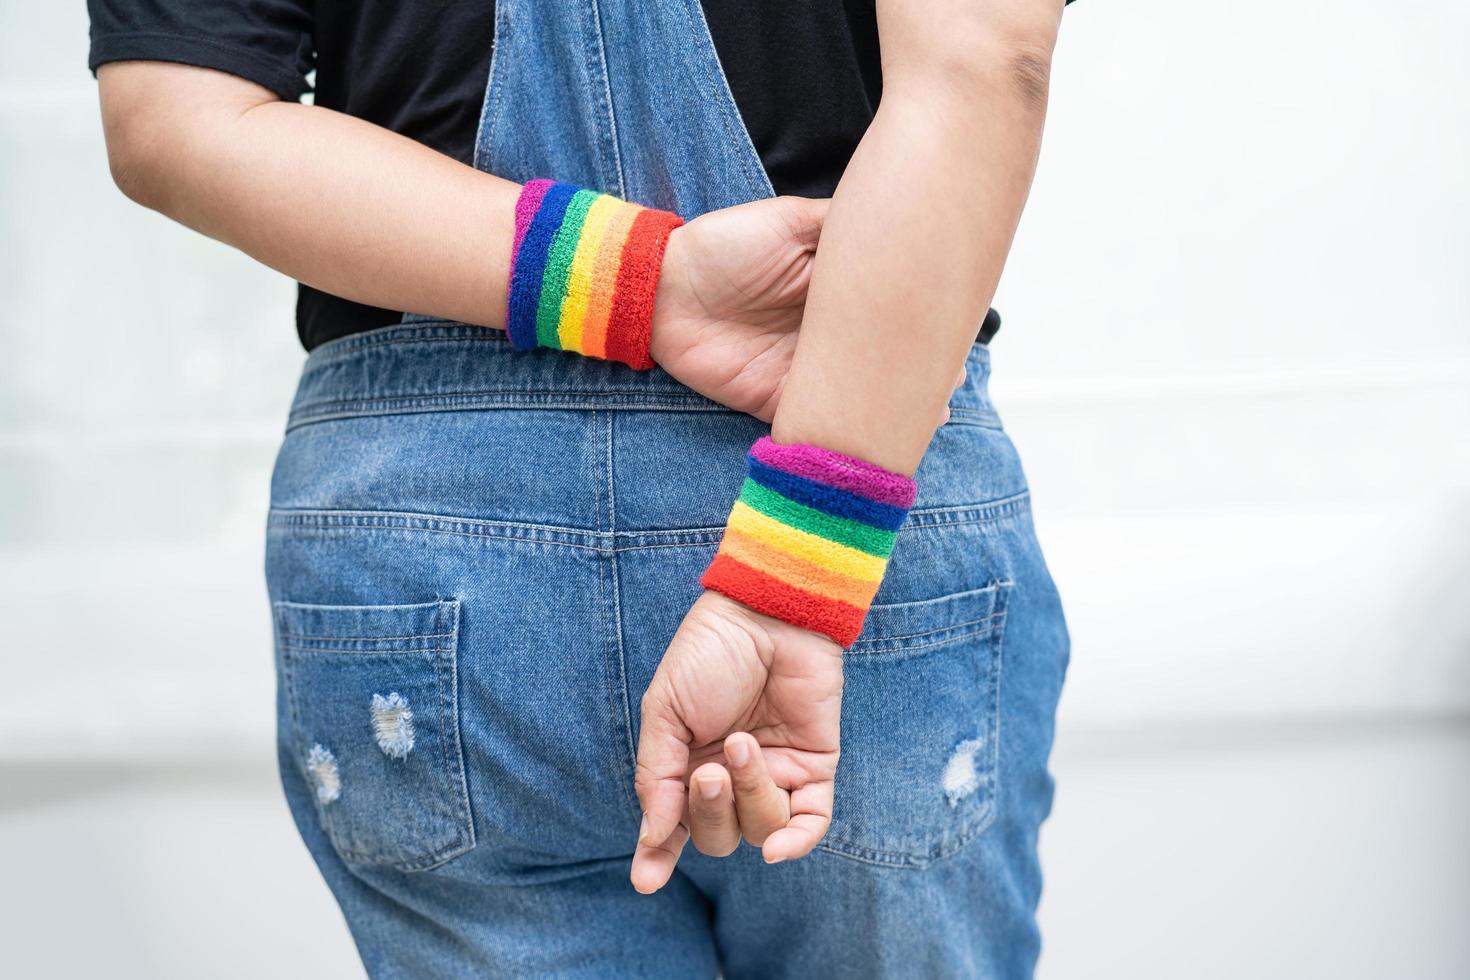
(580, 283)
(823, 551)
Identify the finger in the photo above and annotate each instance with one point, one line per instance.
(653, 864)
(712, 824)
(944, 415)
(811, 815)
(960, 381)
(761, 805)
(663, 757)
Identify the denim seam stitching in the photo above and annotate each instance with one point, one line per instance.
(491, 107)
(445, 330)
(448, 731)
(696, 539)
(288, 672)
(586, 540)
(317, 412)
(457, 776)
(920, 516)
(288, 668)
(375, 639)
(428, 404)
(436, 331)
(631, 759)
(880, 653)
(935, 637)
(516, 396)
(996, 784)
(363, 654)
(612, 119)
(719, 88)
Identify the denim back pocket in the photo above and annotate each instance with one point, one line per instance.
(920, 729)
(374, 726)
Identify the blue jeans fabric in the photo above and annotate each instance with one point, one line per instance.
(624, 96)
(506, 542)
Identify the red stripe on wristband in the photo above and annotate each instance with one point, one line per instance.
(630, 327)
(768, 594)
(808, 539)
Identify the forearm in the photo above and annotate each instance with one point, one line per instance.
(330, 200)
(916, 235)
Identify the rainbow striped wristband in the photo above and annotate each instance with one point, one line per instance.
(583, 272)
(809, 538)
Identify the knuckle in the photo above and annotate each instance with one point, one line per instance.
(643, 779)
(716, 848)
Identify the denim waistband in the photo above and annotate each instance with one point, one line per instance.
(441, 366)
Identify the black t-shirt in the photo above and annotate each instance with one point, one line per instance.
(805, 76)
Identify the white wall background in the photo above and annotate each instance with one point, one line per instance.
(1236, 359)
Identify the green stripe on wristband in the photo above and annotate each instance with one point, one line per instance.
(558, 265)
(854, 534)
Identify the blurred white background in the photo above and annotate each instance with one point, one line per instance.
(1236, 359)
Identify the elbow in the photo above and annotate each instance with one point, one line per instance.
(156, 118)
(137, 148)
(1025, 67)
(133, 165)
(987, 49)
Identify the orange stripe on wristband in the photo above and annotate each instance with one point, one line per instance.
(768, 558)
(605, 282)
(584, 272)
(808, 538)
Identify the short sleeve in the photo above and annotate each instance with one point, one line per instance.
(268, 42)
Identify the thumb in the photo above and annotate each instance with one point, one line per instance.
(804, 217)
(663, 758)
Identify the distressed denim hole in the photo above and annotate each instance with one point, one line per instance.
(322, 765)
(393, 725)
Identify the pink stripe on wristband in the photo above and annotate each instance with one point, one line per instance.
(526, 204)
(809, 538)
(839, 470)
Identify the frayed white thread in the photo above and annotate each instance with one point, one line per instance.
(322, 765)
(960, 777)
(393, 725)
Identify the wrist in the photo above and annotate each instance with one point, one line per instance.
(809, 537)
(584, 272)
(668, 301)
(765, 631)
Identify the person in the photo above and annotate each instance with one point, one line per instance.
(629, 482)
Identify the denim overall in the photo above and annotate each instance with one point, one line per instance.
(476, 557)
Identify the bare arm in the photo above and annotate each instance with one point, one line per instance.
(919, 228)
(749, 706)
(333, 201)
(363, 213)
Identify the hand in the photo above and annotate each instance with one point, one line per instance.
(730, 298)
(745, 709)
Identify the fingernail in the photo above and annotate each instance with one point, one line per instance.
(774, 860)
(738, 751)
(709, 788)
(643, 831)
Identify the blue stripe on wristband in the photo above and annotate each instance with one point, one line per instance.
(823, 496)
(525, 288)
